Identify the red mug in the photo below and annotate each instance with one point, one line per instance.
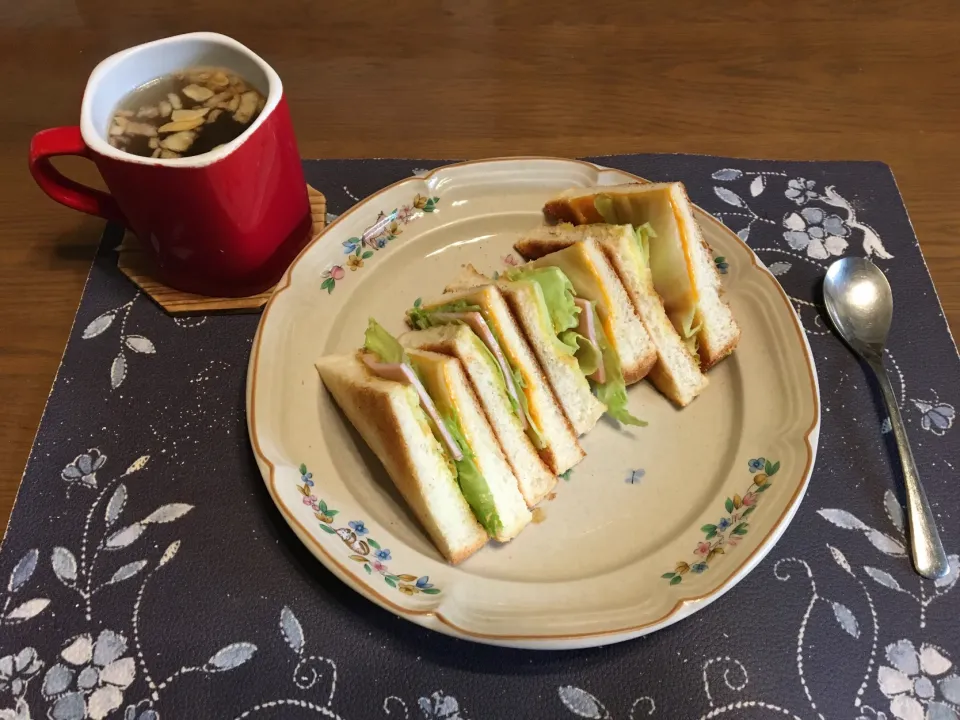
(227, 222)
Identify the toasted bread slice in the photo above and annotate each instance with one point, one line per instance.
(467, 279)
(533, 476)
(448, 386)
(677, 371)
(389, 418)
(594, 279)
(562, 369)
(560, 449)
(693, 298)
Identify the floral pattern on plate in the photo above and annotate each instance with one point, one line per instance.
(384, 230)
(729, 529)
(364, 549)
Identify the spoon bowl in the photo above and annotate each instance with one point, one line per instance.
(860, 305)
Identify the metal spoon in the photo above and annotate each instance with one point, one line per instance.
(860, 304)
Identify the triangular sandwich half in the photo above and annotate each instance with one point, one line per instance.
(423, 446)
(595, 280)
(681, 263)
(486, 478)
(677, 371)
(543, 303)
(458, 341)
(532, 398)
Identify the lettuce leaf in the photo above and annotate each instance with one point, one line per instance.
(557, 293)
(613, 393)
(644, 233)
(588, 355)
(689, 331)
(533, 432)
(558, 297)
(499, 379)
(385, 346)
(520, 406)
(420, 317)
(604, 206)
(472, 484)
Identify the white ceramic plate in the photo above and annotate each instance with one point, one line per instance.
(653, 525)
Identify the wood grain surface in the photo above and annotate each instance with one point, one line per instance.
(844, 79)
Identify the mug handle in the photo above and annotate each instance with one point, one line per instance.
(68, 141)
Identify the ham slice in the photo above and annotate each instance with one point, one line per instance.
(403, 373)
(475, 322)
(588, 329)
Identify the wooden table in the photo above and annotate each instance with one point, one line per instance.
(873, 80)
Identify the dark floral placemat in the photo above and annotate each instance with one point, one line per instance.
(147, 575)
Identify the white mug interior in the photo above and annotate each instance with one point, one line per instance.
(128, 69)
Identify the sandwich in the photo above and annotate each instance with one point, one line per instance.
(683, 271)
(543, 303)
(567, 338)
(417, 412)
(459, 341)
(573, 345)
(594, 280)
(676, 373)
(532, 401)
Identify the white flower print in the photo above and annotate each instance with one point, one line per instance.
(92, 681)
(801, 191)
(937, 417)
(913, 681)
(17, 670)
(143, 710)
(813, 230)
(84, 468)
(19, 712)
(440, 706)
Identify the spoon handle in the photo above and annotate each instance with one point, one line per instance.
(928, 556)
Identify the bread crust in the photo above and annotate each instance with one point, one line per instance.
(710, 355)
(639, 370)
(535, 248)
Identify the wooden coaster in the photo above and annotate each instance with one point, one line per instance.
(134, 264)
